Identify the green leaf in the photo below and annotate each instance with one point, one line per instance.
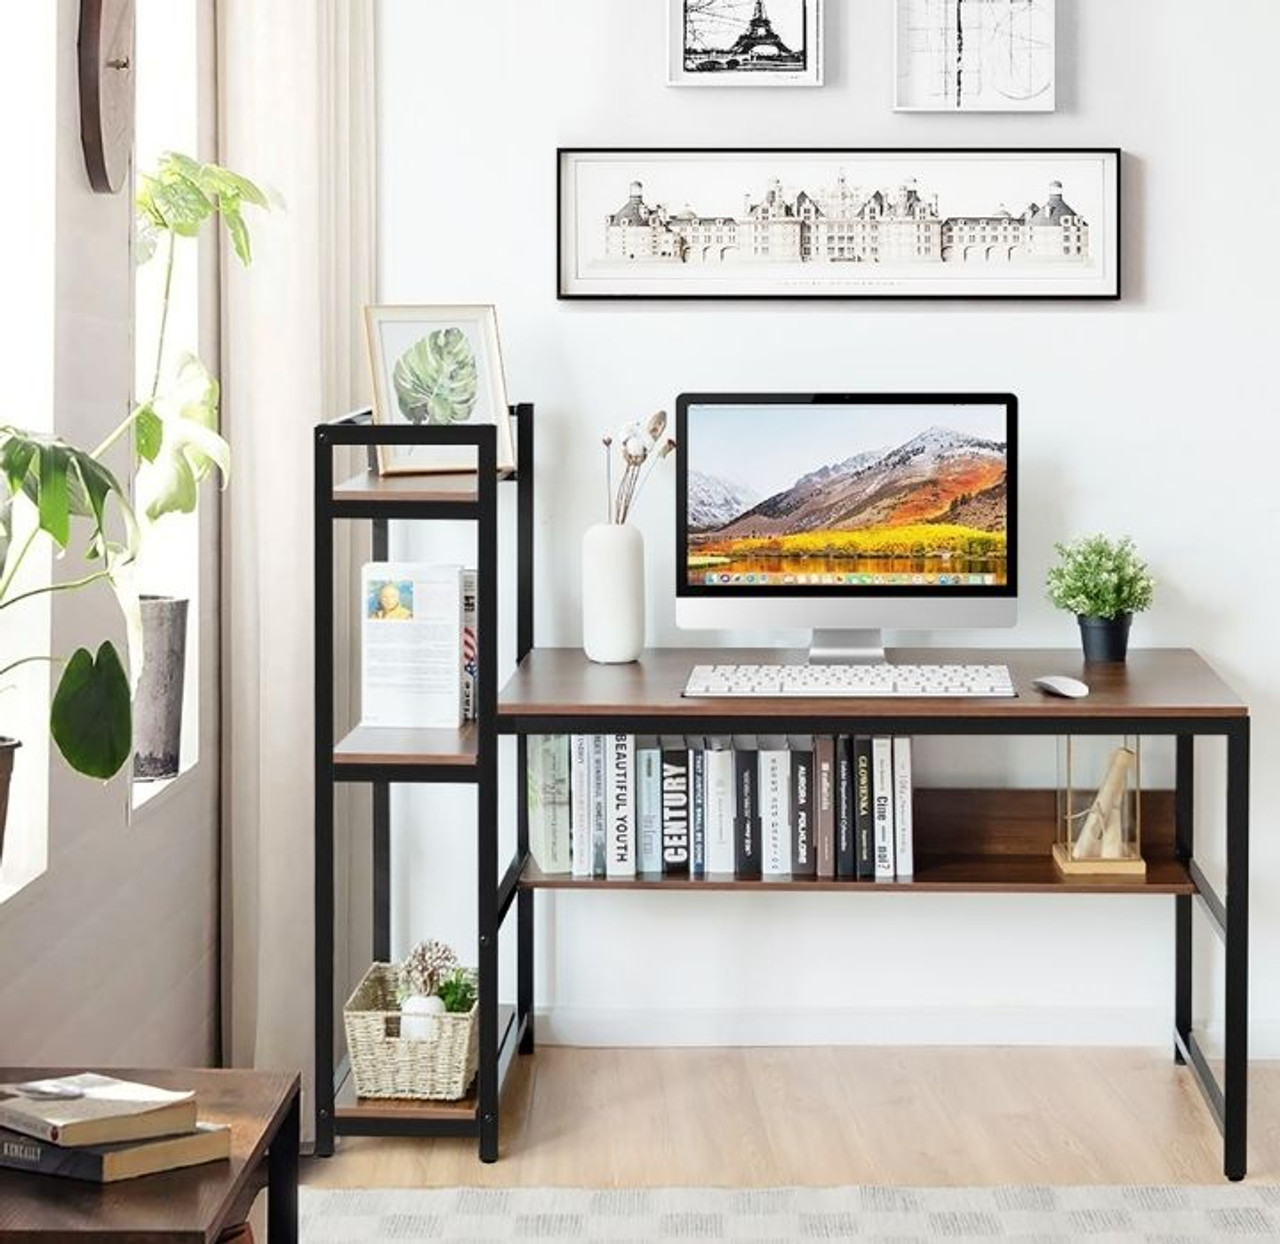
(54, 502)
(148, 432)
(436, 379)
(6, 529)
(91, 720)
(239, 234)
(223, 182)
(146, 240)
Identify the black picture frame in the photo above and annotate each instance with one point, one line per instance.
(1113, 243)
(688, 588)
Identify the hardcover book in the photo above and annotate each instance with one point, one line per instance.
(580, 804)
(775, 807)
(903, 812)
(846, 827)
(548, 801)
(720, 805)
(746, 817)
(824, 764)
(675, 808)
(621, 845)
(599, 805)
(804, 859)
(108, 1163)
(697, 807)
(648, 805)
(470, 643)
(92, 1109)
(882, 802)
(864, 807)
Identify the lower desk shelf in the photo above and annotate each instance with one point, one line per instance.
(966, 841)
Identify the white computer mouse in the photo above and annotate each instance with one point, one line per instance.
(1064, 685)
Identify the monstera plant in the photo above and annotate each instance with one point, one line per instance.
(436, 378)
(65, 488)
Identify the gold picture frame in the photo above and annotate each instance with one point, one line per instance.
(438, 364)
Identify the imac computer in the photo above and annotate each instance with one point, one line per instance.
(846, 513)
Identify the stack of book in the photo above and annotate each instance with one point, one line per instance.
(98, 1128)
(621, 805)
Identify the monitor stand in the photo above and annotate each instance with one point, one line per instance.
(854, 647)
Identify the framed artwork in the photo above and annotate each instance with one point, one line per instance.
(744, 42)
(437, 365)
(974, 55)
(770, 222)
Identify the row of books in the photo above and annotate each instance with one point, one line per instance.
(419, 652)
(621, 805)
(102, 1129)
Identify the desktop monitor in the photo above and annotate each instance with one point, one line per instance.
(846, 513)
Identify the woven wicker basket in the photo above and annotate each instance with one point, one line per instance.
(384, 1065)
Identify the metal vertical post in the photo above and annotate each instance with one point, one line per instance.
(524, 644)
(487, 787)
(1184, 832)
(381, 812)
(323, 966)
(1236, 1054)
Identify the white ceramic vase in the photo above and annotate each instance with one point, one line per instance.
(612, 593)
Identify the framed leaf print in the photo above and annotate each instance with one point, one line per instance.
(437, 365)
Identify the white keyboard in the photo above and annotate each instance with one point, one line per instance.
(854, 682)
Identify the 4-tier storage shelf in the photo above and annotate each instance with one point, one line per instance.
(380, 757)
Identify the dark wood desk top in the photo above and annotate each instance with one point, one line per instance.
(187, 1205)
(1159, 683)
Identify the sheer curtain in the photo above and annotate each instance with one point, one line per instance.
(296, 111)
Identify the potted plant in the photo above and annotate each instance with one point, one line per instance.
(65, 488)
(175, 431)
(1104, 583)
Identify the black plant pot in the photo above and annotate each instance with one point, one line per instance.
(1105, 639)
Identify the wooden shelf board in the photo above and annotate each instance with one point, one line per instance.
(368, 487)
(346, 1105)
(954, 874)
(386, 745)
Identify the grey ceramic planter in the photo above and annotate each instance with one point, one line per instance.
(157, 707)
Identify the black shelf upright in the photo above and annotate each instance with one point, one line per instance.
(468, 755)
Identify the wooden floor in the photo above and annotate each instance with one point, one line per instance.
(847, 1115)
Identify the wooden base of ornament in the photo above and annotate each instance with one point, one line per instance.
(1126, 866)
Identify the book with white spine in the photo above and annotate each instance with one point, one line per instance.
(580, 804)
(719, 804)
(648, 805)
(548, 801)
(620, 848)
(775, 806)
(599, 804)
(903, 812)
(882, 806)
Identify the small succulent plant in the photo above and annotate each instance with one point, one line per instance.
(457, 991)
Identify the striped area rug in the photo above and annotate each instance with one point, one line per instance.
(1013, 1215)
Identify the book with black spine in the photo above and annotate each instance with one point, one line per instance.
(675, 807)
(746, 818)
(108, 1163)
(846, 829)
(580, 829)
(804, 857)
(599, 805)
(697, 806)
(719, 804)
(882, 802)
(648, 806)
(621, 846)
(864, 809)
(903, 811)
(824, 765)
(775, 807)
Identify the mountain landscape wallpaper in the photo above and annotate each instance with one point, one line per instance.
(847, 494)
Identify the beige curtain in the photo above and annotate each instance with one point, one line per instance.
(296, 111)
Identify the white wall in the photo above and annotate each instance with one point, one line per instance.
(1151, 416)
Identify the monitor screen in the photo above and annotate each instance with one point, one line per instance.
(846, 494)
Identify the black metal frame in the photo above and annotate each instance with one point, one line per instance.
(494, 896)
(1112, 295)
(1227, 1098)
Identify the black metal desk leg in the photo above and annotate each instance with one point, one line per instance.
(1236, 1069)
(1184, 829)
(524, 931)
(282, 1180)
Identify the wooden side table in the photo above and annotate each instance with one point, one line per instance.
(190, 1206)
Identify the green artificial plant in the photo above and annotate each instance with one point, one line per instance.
(177, 444)
(1097, 577)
